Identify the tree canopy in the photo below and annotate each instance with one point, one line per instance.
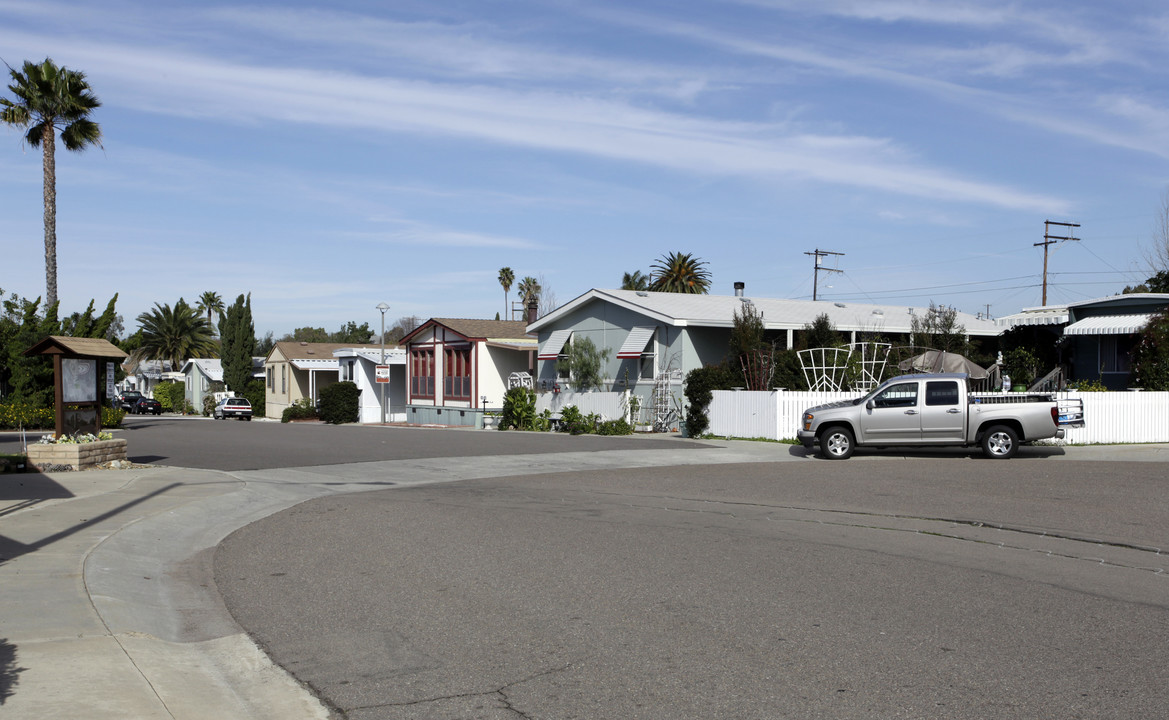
(237, 337)
(51, 99)
(680, 273)
(175, 334)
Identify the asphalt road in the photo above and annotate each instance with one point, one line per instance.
(233, 445)
(880, 587)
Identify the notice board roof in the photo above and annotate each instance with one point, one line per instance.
(76, 347)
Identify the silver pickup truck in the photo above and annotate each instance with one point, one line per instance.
(934, 410)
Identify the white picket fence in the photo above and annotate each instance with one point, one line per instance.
(608, 405)
(1110, 417)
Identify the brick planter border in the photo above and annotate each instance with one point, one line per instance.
(76, 456)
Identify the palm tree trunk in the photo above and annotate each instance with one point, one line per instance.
(49, 145)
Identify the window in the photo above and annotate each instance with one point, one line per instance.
(1114, 354)
(941, 392)
(272, 379)
(283, 379)
(647, 367)
(422, 372)
(899, 395)
(457, 372)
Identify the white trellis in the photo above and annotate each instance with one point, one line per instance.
(869, 358)
(824, 368)
(827, 369)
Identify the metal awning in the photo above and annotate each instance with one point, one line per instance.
(554, 344)
(634, 345)
(1109, 325)
(316, 364)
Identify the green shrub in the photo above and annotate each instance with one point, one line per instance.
(572, 420)
(700, 383)
(254, 392)
(16, 415)
(519, 409)
(339, 403)
(614, 427)
(171, 396)
(1087, 386)
(300, 410)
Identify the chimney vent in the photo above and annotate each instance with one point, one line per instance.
(739, 287)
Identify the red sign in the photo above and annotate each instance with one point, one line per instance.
(382, 373)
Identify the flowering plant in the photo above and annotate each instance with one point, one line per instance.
(75, 439)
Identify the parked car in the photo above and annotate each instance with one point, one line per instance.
(127, 399)
(936, 410)
(146, 405)
(236, 407)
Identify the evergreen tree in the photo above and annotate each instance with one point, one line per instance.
(237, 336)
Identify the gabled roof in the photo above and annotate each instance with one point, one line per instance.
(211, 367)
(292, 350)
(509, 331)
(76, 347)
(681, 310)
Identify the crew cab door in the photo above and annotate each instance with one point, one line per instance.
(943, 415)
(892, 416)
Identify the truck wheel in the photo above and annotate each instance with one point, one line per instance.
(1000, 442)
(837, 443)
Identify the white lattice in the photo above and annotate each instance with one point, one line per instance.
(828, 369)
(869, 359)
(824, 368)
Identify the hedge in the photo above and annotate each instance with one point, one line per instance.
(16, 415)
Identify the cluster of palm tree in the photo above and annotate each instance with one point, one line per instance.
(51, 99)
(672, 273)
(529, 289)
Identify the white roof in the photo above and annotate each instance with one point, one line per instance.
(211, 367)
(1109, 325)
(682, 310)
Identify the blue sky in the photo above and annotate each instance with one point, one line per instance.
(330, 156)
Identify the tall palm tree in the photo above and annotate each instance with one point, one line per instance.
(680, 273)
(506, 278)
(210, 302)
(529, 290)
(175, 334)
(51, 99)
(634, 281)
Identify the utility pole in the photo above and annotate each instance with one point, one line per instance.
(1049, 239)
(818, 254)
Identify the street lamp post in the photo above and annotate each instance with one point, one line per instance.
(383, 307)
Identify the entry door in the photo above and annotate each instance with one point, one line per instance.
(894, 417)
(942, 419)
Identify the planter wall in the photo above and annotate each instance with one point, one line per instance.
(75, 456)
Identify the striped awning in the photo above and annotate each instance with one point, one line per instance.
(1109, 325)
(634, 345)
(551, 348)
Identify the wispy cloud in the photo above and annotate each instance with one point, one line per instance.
(198, 86)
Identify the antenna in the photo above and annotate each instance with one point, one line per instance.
(818, 254)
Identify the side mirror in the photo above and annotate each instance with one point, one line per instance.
(869, 405)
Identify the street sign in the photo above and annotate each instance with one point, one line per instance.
(382, 373)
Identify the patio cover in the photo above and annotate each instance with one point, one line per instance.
(1109, 325)
(634, 345)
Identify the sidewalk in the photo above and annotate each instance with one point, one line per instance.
(93, 618)
(108, 605)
